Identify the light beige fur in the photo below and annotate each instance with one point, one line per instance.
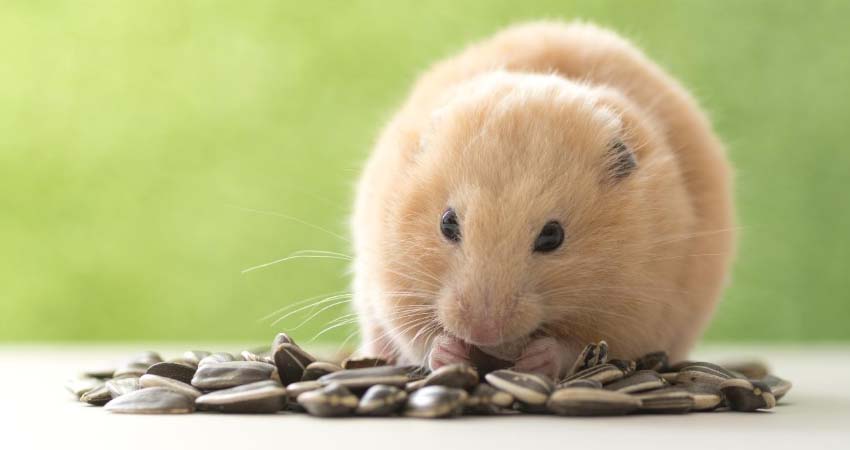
(516, 131)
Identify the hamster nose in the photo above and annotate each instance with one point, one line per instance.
(483, 333)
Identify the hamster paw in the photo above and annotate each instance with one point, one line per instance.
(542, 356)
(448, 350)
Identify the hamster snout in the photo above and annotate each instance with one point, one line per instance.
(524, 211)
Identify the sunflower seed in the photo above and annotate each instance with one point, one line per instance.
(591, 355)
(486, 399)
(381, 400)
(122, 386)
(669, 377)
(291, 360)
(754, 370)
(260, 397)
(485, 362)
(318, 369)
(195, 356)
(462, 376)
(131, 369)
(280, 338)
(746, 395)
(222, 375)
(248, 355)
(102, 373)
(657, 361)
(581, 383)
(703, 372)
(591, 402)
(98, 396)
(151, 401)
(150, 380)
(175, 371)
(603, 373)
(184, 362)
(361, 363)
(435, 401)
(218, 357)
(293, 390)
(81, 385)
(642, 380)
(778, 386)
(331, 400)
(669, 400)
(627, 366)
(707, 397)
(363, 378)
(528, 388)
(149, 357)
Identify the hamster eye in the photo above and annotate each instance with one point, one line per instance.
(449, 225)
(550, 237)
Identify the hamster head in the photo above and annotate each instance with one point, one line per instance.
(524, 202)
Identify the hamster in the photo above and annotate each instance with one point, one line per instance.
(545, 188)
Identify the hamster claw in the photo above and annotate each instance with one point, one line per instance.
(542, 356)
(448, 350)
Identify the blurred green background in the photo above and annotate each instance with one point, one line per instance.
(149, 152)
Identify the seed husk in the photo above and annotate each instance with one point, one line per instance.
(280, 338)
(578, 401)
(754, 370)
(591, 355)
(293, 390)
(778, 386)
(248, 355)
(195, 356)
(122, 386)
(381, 400)
(580, 383)
(707, 397)
(627, 366)
(362, 363)
(262, 397)
(154, 400)
(669, 400)
(175, 371)
(528, 388)
(101, 374)
(223, 375)
(642, 380)
(318, 369)
(363, 378)
(461, 376)
(98, 396)
(486, 399)
(603, 373)
(291, 360)
(80, 385)
(703, 372)
(657, 361)
(131, 369)
(435, 402)
(747, 395)
(332, 400)
(218, 357)
(150, 380)
(485, 362)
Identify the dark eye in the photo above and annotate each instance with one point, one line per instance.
(449, 226)
(550, 238)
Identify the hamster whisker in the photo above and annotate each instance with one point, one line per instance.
(300, 302)
(314, 304)
(313, 316)
(323, 252)
(684, 237)
(290, 258)
(665, 258)
(291, 218)
(329, 328)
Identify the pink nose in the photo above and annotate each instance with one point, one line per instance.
(483, 333)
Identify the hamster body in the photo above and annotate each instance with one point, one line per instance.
(545, 188)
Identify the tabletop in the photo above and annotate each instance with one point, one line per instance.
(37, 412)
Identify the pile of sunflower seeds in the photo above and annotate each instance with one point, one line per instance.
(287, 378)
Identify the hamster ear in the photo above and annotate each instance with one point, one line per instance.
(621, 161)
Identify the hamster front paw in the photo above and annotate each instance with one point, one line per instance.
(448, 350)
(542, 356)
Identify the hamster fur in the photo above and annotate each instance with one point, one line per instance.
(542, 122)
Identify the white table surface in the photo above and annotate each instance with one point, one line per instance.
(37, 412)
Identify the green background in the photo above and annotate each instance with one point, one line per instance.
(149, 148)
